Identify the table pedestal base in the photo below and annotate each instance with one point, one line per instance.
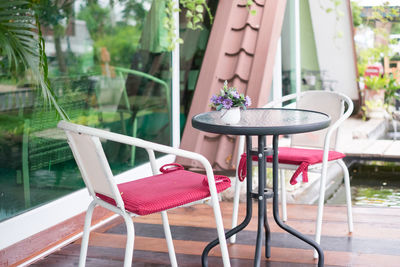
(262, 195)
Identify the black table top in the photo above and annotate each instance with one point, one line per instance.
(264, 121)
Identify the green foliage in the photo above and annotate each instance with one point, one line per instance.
(121, 44)
(194, 17)
(249, 3)
(369, 56)
(97, 19)
(395, 28)
(22, 44)
(390, 87)
(134, 9)
(169, 24)
(376, 82)
(356, 12)
(52, 13)
(194, 12)
(384, 13)
(391, 91)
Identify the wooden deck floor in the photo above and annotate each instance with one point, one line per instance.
(374, 242)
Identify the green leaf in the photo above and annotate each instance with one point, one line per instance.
(199, 9)
(196, 20)
(14, 12)
(8, 4)
(17, 18)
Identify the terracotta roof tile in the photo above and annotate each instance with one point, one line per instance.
(257, 2)
(238, 65)
(243, 18)
(241, 50)
(247, 41)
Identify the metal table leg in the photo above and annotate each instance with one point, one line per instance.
(260, 199)
(249, 208)
(262, 207)
(277, 219)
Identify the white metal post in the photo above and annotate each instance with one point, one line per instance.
(175, 93)
(297, 46)
(277, 80)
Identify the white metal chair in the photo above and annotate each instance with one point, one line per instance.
(320, 144)
(158, 193)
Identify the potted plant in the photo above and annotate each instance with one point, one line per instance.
(374, 96)
(230, 102)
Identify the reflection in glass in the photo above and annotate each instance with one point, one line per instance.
(109, 68)
(105, 73)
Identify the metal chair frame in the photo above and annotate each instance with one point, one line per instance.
(323, 168)
(86, 146)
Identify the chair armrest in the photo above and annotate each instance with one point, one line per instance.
(279, 101)
(136, 142)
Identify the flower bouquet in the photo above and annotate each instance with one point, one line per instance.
(229, 102)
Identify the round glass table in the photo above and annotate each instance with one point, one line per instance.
(262, 122)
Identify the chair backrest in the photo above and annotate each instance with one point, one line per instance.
(92, 162)
(338, 106)
(331, 103)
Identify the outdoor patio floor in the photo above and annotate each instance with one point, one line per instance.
(374, 242)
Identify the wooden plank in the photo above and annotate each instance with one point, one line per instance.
(301, 217)
(295, 255)
(375, 240)
(279, 239)
(38, 243)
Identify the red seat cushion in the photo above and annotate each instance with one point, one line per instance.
(166, 191)
(295, 156)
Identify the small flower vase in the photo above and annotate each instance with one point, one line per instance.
(230, 116)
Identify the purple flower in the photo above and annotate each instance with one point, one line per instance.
(214, 99)
(248, 101)
(227, 103)
(228, 98)
(235, 94)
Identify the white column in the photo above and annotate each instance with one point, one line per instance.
(297, 45)
(277, 79)
(175, 92)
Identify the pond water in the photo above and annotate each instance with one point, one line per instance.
(373, 183)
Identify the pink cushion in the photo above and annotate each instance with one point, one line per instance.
(295, 156)
(165, 191)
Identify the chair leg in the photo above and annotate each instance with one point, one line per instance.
(348, 195)
(168, 237)
(220, 230)
(283, 195)
(320, 206)
(86, 233)
(130, 237)
(235, 207)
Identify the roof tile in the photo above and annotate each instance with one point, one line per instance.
(244, 40)
(231, 55)
(244, 18)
